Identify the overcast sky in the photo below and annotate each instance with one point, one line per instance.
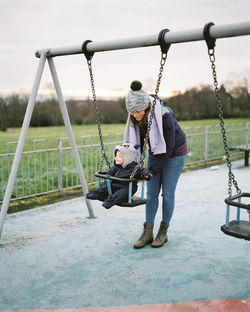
(28, 25)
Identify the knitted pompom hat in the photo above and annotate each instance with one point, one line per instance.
(137, 99)
(128, 151)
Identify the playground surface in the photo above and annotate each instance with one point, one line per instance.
(55, 257)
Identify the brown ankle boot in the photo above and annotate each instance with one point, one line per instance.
(146, 237)
(161, 237)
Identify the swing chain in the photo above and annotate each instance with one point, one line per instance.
(146, 139)
(164, 53)
(98, 121)
(231, 177)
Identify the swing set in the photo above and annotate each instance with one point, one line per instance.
(209, 33)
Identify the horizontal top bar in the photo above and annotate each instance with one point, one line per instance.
(216, 31)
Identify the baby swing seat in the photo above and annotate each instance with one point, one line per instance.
(133, 201)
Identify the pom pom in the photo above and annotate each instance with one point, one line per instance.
(136, 85)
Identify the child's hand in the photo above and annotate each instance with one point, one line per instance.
(146, 174)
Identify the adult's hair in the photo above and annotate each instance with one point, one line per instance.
(134, 122)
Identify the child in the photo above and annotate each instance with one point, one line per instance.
(124, 165)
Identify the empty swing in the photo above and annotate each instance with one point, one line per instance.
(237, 228)
(132, 200)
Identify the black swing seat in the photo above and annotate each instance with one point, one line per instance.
(230, 201)
(135, 200)
(238, 228)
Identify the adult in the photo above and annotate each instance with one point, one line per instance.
(167, 148)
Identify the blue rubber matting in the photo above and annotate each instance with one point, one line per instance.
(56, 257)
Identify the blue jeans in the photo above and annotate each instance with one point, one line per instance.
(167, 179)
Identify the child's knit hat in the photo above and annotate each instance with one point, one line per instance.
(137, 99)
(128, 151)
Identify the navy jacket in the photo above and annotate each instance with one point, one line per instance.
(120, 172)
(174, 138)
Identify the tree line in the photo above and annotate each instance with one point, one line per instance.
(195, 103)
(200, 103)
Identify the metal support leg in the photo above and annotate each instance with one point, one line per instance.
(238, 215)
(21, 141)
(249, 220)
(109, 186)
(227, 215)
(130, 192)
(70, 134)
(143, 189)
(238, 211)
(246, 158)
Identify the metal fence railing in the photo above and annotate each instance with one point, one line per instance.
(47, 170)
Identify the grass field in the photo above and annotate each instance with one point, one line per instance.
(38, 171)
(53, 133)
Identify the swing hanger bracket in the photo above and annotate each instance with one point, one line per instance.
(164, 46)
(87, 54)
(206, 34)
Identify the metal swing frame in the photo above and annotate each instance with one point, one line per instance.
(237, 228)
(216, 31)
